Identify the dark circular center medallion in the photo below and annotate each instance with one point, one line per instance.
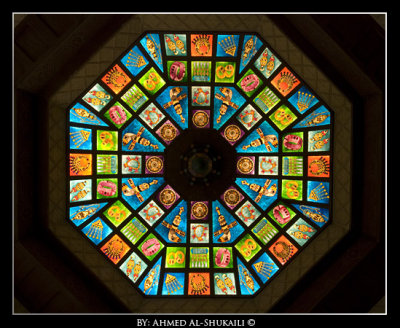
(200, 164)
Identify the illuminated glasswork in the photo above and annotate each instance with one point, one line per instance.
(230, 89)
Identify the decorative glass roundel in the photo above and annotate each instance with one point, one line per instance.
(199, 164)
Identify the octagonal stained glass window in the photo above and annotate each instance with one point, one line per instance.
(199, 164)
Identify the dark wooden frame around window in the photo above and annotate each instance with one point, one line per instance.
(364, 242)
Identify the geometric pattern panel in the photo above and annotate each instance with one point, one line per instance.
(199, 164)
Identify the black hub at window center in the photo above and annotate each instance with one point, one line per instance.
(200, 164)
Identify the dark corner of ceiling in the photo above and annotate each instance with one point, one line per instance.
(48, 279)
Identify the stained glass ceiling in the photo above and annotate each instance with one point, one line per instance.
(199, 164)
